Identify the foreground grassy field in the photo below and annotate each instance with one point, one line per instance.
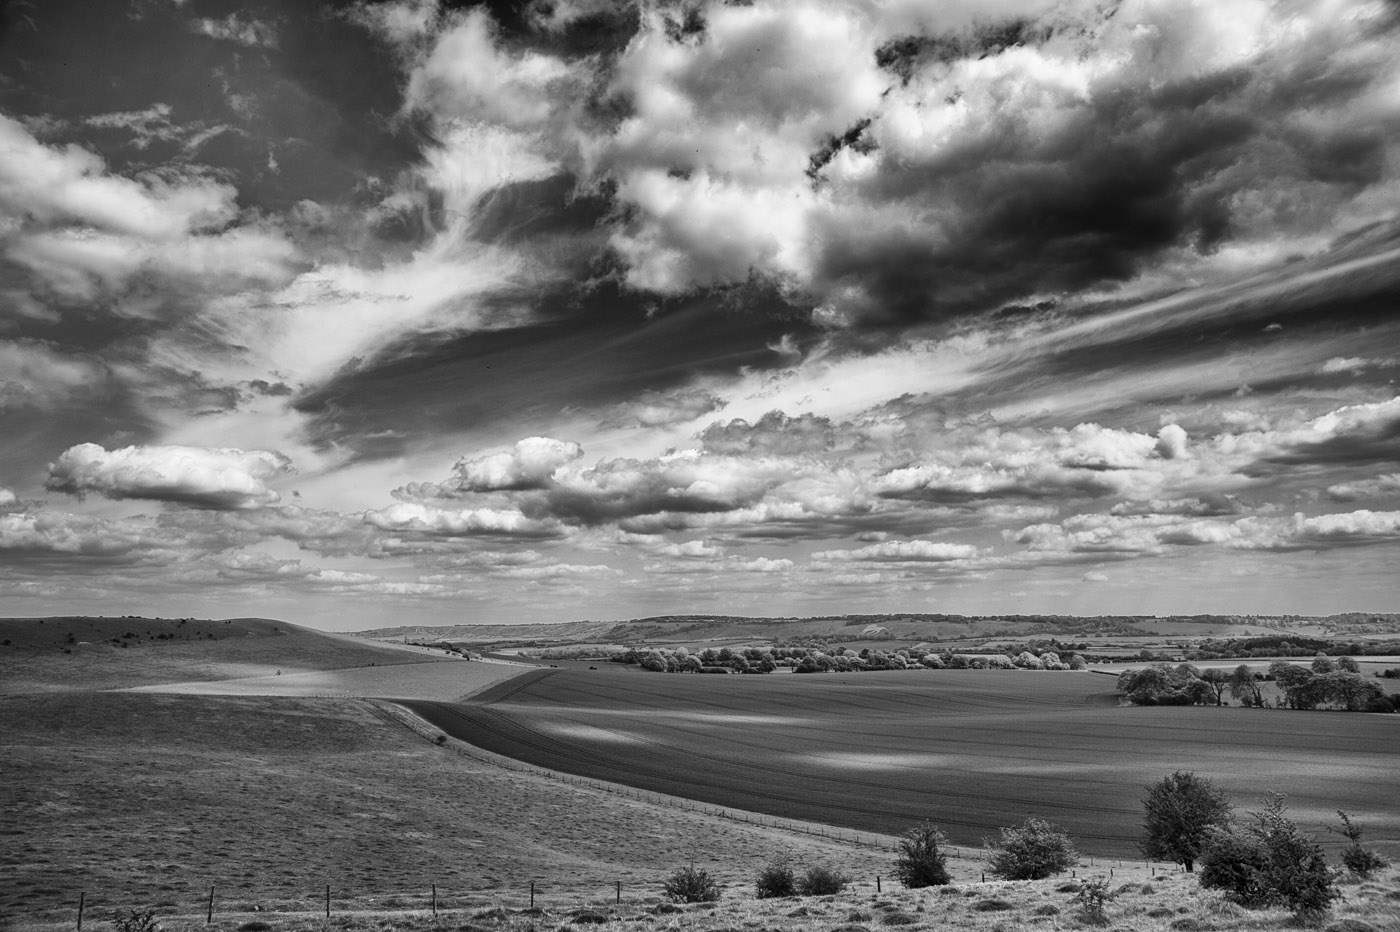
(147, 800)
(973, 750)
(1165, 903)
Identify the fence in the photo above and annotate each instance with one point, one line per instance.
(525, 898)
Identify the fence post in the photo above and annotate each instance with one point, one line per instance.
(434, 899)
(328, 901)
(209, 916)
(82, 900)
(877, 883)
(532, 894)
(619, 893)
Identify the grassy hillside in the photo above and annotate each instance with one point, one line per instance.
(146, 800)
(61, 653)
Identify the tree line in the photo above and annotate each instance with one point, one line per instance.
(1328, 683)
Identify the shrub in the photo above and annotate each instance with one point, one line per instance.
(1273, 864)
(1034, 851)
(1360, 861)
(921, 861)
(135, 920)
(776, 879)
(821, 880)
(692, 884)
(1093, 897)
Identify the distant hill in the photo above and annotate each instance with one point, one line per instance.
(938, 628)
(80, 652)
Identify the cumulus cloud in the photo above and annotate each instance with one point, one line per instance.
(430, 521)
(900, 551)
(87, 234)
(1378, 487)
(221, 479)
(894, 164)
(1140, 535)
(774, 433)
(531, 464)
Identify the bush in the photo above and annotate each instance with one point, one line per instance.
(776, 879)
(1360, 861)
(921, 861)
(821, 880)
(1093, 897)
(1272, 865)
(1034, 851)
(692, 884)
(136, 920)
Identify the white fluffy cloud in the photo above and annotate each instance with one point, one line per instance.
(222, 479)
(430, 521)
(530, 465)
(901, 551)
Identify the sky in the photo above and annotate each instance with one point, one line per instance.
(360, 314)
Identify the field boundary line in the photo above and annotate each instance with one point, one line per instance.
(394, 712)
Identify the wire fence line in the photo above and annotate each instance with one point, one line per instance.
(539, 896)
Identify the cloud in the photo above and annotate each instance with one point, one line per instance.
(664, 408)
(37, 375)
(246, 31)
(430, 521)
(220, 479)
(1355, 434)
(900, 551)
(1140, 535)
(774, 433)
(1378, 487)
(531, 464)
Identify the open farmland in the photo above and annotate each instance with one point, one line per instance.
(972, 750)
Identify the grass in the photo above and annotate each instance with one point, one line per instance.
(67, 653)
(148, 799)
(1171, 903)
(970, 750)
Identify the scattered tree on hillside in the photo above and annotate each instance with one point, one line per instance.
(1181, 812)
(921, 861)
(1034, 851)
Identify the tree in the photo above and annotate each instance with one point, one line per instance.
(1244, 687)
(1034, 851)
(921, 861)
(1218, 681)
(1181, 811)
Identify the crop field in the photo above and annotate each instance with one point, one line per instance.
(971, 750)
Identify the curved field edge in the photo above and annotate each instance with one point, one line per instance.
(972, 750)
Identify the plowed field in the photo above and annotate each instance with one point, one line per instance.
(972, 750)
